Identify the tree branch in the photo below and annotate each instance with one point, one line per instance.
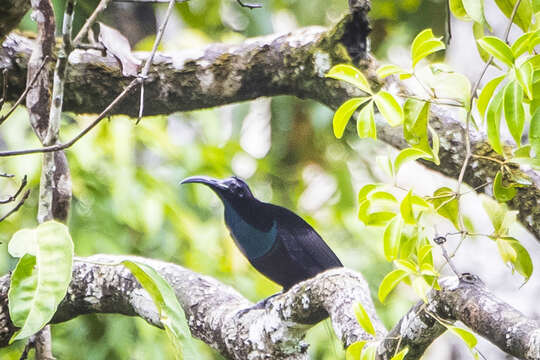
(277, 331)
(286, 64)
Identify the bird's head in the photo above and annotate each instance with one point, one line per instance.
(232, 189)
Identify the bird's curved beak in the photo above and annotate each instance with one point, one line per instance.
(214, 184)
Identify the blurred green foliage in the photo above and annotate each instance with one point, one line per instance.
(126, 197)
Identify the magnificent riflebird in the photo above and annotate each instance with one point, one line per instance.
(276, 241)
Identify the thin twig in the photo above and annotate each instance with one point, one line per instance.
(25, 92)
(6, 175)
(29, 346)
(249, 6)
(14, 196)
(4, 88)
(146, 68)
(16, 208)
(440, 240)
(90, 21)
(58, 147)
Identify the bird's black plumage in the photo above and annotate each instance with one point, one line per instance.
(276, 241)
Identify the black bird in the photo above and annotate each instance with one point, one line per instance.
(276, 241)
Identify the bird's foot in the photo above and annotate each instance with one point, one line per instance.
(258, 306)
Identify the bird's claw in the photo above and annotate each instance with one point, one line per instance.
(258, 306)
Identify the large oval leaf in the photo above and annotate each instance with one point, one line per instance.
(35, 294)
(363, 319)
(534, 132)
(493, 120)
(523, 15)
(365, 124)
(487, 93)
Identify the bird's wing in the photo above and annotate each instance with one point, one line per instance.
(303, 243)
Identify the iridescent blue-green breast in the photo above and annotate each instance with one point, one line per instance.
(252, 241)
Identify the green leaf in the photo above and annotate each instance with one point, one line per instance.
(409, 154)
(389, 108)
(523, 152)
(406, 209)
(366, 190)
(521, 45)
(389, 282)
(465, 335)
(507, 252)
(23, 242)
(452, 85)
(369, 352)
(493, 120)
(522, 263)
(534, 132)
(524, 74)
(425, 255)
(34, 294)
(355, 350)
(415, 126)
(390, 69)
(392, 236)
(425, 44)
(478, 32)
(421, 287)
(365, 124)
(351, 75)
(500, 217)
(400, 355)
(170, 312)
(497, 48)
(501, 192)
(486, 94)
(363, 318)
(523, 15)
(406, 265)
(446, 204)
(344, 113)
(513, 110)
(458, 10)
(475, 9)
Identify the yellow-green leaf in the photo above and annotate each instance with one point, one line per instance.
(534, 133)
(170, 312)
(354, 351)
(524, 74)
(487, 93)
(501, 192)
(365, 124)
(390, 69)
(389, 108)
(392, 236)
(406, 209)
(425, 44)
(513, 110)
(493, 120)
(465, 335)
(421, 287)
(363, 318)
(446, 204)
(409, 154)
(400, 355)
(351, 75)
(475, 9)
(369, 352)
(497, 48)
(389, 282)
(458, 10)
(344, 113)
(523, 15)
